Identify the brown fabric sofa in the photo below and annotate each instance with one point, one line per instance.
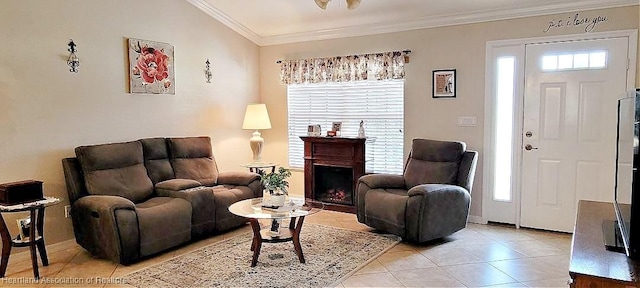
(431, 200)
(134, 199)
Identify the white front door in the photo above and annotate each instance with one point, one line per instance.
(569, 128)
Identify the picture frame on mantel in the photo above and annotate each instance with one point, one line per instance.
(444, 83)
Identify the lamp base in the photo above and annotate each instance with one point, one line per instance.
(256, 142)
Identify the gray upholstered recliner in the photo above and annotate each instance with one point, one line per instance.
(431, 200)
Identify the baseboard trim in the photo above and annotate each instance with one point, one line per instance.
(26, 255)
(475, 219)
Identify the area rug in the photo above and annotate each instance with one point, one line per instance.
(331, 255)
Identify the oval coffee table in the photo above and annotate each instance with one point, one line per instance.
(295, 209)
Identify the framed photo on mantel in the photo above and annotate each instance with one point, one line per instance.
(444, 83)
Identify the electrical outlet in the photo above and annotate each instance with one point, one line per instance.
(67, 211)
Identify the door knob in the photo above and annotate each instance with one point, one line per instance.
(528, 147)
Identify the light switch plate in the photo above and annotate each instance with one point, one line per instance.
(467, 121)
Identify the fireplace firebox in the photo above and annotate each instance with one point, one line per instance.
(332, 167)
(333, 184)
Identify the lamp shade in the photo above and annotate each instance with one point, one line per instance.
(256, 117)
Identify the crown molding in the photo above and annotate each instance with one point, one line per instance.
(426, 22)
(227, 21)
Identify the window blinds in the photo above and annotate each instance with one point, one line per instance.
(380, 104)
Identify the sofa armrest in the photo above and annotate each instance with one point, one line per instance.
(107, 226)
(434, 210)
(374, 181)
(237, 178)
(177, 184)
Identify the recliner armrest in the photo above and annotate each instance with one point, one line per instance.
(237, 178)
(424, 189)
(436, 210)
(374, 181)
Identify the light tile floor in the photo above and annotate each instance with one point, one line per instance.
(480, 255)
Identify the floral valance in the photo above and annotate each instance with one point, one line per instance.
(377, 66)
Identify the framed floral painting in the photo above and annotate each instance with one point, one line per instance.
(151, 68)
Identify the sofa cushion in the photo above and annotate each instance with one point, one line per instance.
(191, 158)
(433, 161)
(115, 169)
(156, 159)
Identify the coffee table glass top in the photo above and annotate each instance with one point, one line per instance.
(293, 207)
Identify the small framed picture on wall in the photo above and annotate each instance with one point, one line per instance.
(444, 83)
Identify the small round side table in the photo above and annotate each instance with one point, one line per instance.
(260, 166)
(36, 214)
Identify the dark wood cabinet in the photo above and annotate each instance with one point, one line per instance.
(591, 264)
(330, 165)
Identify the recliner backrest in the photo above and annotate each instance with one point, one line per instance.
(156, 159)
(192, 158)
(433, 162)
(115, 169)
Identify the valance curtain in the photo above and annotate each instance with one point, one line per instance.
(377, 66)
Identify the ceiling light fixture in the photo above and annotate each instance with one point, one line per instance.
(351, 4)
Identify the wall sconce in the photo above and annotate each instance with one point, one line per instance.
(73, 60)
(207, 71)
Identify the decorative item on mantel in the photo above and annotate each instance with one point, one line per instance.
(207, 71)
(314, 130)
(336, 128)
(73, 60)
(361, 130)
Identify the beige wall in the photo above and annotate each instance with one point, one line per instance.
(45, 111)
(461, 47)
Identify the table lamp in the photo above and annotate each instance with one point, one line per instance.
(255, 118)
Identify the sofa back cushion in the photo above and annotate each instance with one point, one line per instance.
(433, 162)
(156, 159)
(115, 169)
(191, 158)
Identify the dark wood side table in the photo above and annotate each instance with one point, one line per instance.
(36, 214)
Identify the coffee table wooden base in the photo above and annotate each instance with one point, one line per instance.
(291, 234)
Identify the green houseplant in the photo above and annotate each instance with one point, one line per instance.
(275, 182)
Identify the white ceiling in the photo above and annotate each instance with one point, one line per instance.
(270, 22)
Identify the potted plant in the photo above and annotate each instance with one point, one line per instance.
(276, 183)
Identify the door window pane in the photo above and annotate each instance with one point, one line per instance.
(504, 128)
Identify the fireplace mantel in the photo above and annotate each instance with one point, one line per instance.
(337, 152)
